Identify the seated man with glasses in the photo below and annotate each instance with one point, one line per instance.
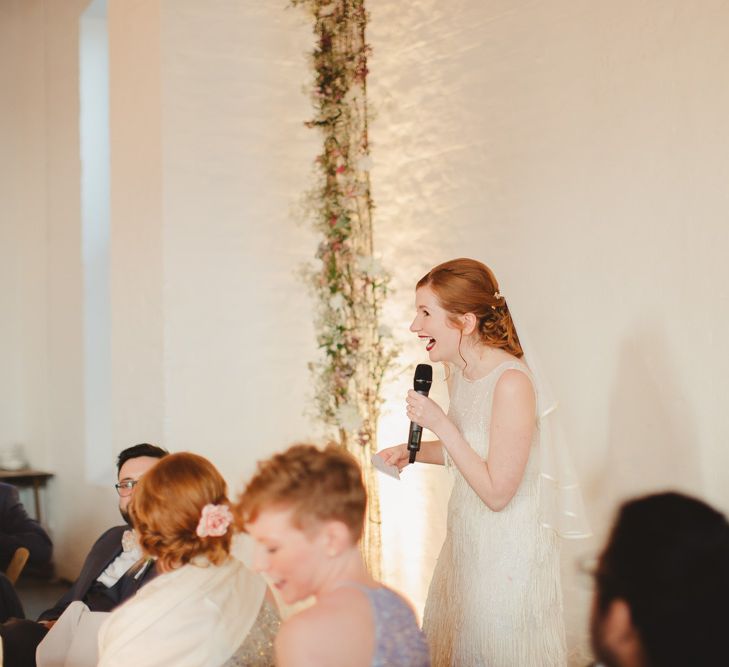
(105, 580)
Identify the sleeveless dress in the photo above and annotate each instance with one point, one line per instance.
(398, 639)
(495, 599)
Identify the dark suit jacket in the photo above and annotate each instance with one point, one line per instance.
(10, 605)
(21, 637)
(17, 529)
(105, 550)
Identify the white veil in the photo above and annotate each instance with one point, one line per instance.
(561, 507)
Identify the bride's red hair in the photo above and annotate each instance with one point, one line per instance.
(469, 286)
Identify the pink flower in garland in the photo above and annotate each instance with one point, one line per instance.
(341, 169)
(214, 521)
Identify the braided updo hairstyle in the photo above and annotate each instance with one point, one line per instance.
(168, 504)
(468, 286)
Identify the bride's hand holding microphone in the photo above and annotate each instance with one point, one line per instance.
(422, 412)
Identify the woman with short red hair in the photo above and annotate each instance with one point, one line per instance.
(305, 508)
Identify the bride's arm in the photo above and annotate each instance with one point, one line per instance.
(512, 425)
(430, 452)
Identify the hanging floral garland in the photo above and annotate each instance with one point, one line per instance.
(348, 282)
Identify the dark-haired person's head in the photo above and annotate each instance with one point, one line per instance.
(131, 464)
(137, 451)
(662, 586)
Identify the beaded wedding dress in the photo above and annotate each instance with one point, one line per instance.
(495, 598)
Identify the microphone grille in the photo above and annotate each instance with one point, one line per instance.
(423, 378)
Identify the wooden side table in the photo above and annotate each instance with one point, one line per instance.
(28, 477)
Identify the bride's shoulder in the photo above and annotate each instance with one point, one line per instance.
(514, 386)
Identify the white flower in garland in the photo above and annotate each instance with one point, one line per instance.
(384, 331)
(327, 10)
(348, 417)
(365, 163)
(337, 302)
(370, 267)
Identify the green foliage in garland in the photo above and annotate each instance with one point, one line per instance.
(349, 283)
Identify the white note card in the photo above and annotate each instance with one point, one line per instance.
(383, 467)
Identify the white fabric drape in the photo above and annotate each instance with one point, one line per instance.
(195, 616)
(561, 507)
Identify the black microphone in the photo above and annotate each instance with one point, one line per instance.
(421, 383)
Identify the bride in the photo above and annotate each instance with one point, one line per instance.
(495, 597)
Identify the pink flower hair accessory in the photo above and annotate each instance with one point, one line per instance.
(214, 521)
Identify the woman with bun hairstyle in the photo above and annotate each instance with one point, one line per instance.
(205, 603)
(495, 597)
(305, 509)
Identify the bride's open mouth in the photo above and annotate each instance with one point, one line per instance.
(430, 342)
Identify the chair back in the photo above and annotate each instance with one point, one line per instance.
(17, 563)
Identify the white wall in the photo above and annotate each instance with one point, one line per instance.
(578, 148)
(41, 254)
(23, 233)
(211, 326)
(237, 331)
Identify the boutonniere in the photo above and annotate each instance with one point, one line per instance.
(129, 541)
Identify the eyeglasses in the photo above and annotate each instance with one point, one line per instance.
(125, 488)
